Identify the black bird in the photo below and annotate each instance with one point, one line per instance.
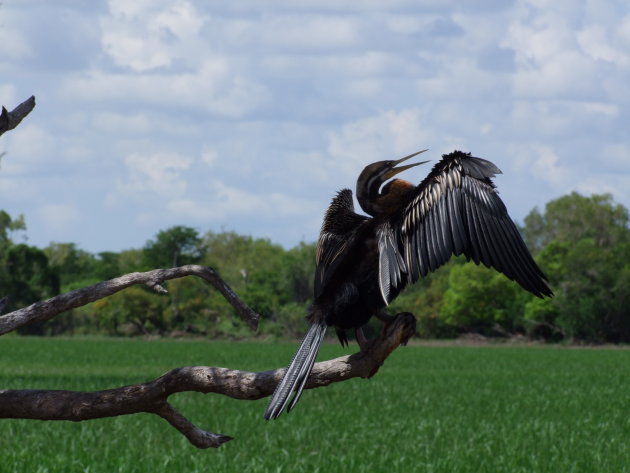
(364, 262)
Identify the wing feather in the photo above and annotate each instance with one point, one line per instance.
(392, 267)
(457, 224)
(474, 251)
(455, 210)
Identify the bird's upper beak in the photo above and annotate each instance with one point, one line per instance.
(395, 170)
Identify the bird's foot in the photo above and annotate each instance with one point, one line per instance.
(362, 340)
(390, 322)
(385, 317)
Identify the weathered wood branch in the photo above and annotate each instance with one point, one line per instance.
(47, 309)
(9, 120)
(152, 397)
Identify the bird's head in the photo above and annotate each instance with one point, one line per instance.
(374, 176)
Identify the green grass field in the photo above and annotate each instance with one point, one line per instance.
(430, 408)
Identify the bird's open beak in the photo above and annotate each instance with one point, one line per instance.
(393, 171)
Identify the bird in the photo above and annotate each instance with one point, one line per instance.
(364, 261)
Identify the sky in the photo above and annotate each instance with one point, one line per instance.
(248, 116)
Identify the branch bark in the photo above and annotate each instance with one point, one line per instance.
(152, 397)
(9, 120)
(47, 309)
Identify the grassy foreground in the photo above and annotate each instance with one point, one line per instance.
(433, 409)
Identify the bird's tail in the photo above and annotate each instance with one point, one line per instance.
(297, 373)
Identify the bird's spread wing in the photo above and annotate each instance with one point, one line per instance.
(337, 234)
(455, 210)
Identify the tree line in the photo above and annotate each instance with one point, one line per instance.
(582, 243)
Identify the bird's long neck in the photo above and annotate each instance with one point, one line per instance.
(375, 203)
(367, 195)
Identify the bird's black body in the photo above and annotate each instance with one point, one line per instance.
(350, 295)
(364, 262)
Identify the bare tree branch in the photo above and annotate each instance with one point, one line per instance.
(47, 309)
(9, 120)
(152, 397)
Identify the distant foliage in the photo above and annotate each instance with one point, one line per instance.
(581, 243)
(25, 273)
(584, 246)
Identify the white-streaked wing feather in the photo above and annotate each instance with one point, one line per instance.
(455, 210)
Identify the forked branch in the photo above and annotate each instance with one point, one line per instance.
(152, 397)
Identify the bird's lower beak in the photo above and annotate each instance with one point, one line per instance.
(395, 170)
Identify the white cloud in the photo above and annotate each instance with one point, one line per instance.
(623, 30)
(485, 128)
(149, 35)
(543, 163)
(225, 202)
(8, 96)
(215, 87)
(595, 42)
(547, 59)
(30, 148)
(118, 123)
(546, 166)
(615, 157)
(616, 184)
(304, 32)
(405, 24)
(155, 174)
(608, 110)
(222, 200)
(209, 156)
(135, 124)
(460, 79)
(9, 188)
(389, 135)
(365, 88)
(57, 217)
(356, 65)
(15, 43)
(568, 50)
(554, 118)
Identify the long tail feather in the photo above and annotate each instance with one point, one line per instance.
(297, 373)
(308, 367)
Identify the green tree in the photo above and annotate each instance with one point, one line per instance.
(25, 278)
(481, 300)
(107, 265)
(298, 272)
(131, 260)
(76, 267)
(175, 246)
(9, 225)
(586, 249)
(254, 267)
(573, 217)
(425, 298)
(25, 275)
(134, 311)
